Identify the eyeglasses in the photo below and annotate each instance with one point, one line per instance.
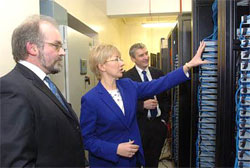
(57, 46)
(116, 60)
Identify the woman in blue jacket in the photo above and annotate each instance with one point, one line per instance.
(108, 111)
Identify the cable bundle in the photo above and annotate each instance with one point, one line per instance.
(242, 96)
(207, 107)
(207, 100)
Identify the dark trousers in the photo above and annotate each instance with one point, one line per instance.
(153, 133)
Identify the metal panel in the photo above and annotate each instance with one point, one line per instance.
(184, 52)
(51, 8)
(78, 48)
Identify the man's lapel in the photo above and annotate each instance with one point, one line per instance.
(152, 73)
(37, 82)
(135, 75)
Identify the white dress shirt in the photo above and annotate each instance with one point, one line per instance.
(139, 70)
(35, 69)
(115, 94)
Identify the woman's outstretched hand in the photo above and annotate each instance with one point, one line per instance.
(196, 60)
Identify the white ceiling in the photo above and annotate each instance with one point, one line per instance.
(101, 4)
(149, 19)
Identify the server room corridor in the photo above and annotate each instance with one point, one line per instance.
(208, 123)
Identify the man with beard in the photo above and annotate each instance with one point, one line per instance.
(38, 127)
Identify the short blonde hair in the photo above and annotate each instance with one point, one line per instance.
(99, 55)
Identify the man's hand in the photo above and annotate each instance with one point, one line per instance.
(127, 149)
(164, 122)
(150, 104)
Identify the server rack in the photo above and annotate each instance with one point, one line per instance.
(175, 97)
(169, 52)
(241, 47)
(158, 60)
(229, 17)
(178, 53)
(153, 60)
(184, 55)
(165, 58)
(202, 24)
(225, 144)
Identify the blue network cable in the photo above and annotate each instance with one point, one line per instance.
(214, 35)
(242, 100)
(207, 100)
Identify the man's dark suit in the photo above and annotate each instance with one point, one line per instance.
(153, 131)
(36, 130)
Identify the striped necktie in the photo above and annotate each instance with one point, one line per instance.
(54, 91)
(153, 112)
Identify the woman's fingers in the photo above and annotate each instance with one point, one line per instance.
(202, 45)
(133, 149)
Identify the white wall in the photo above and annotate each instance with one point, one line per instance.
(136, 33)
(113, 30)
(93, 14)
(12, 13)
(127, 7)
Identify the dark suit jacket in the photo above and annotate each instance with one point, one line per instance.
(36, 130)
(104, 126)
(163, 98)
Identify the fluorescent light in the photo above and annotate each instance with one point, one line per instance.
(158, 24)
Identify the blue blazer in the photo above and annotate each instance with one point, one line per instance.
(104, 126)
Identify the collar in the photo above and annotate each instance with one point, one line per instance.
(139, 70)
(33, 68)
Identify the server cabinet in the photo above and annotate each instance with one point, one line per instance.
(165, 59)
(179, 48)
(235, 58)
(184, 55)
(175, 97)
(229, 17)
(202, 25)
(225, 140)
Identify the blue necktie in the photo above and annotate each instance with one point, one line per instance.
(54, 91)
(153, 112)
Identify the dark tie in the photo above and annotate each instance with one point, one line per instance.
(153, 112)
(54, 91)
